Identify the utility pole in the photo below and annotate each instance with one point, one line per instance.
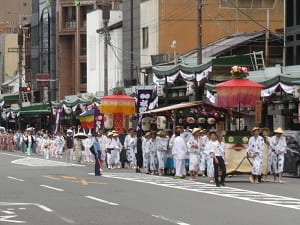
(131, 41)
(20, 45)
(267, 33)
(199, 33)
(105, 18)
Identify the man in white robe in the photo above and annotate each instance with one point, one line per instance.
(179, 150)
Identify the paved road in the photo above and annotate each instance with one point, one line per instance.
(39, 192)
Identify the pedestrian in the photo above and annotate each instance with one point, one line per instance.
(111, 143)
(193, 146)
(179, 150)
(162, 146)
(278, 145)
(219, 161)
(139, 153)
(97, 151)
(146, 152)
(87, 144)
(78, 149)
(117, 150)
(130, 145)
(46, 144)
(256, 152)
(102, 139)
(69, 145)
(203, 141)
(153, 153)
(210, 147)
(29, 140)
(59, 141)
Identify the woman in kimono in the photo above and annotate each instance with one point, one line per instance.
(203, 141)
(53, 147)
(162, 147)
(193, 146)
(78, 149)
(146, 152)
(46, 144)
(117, 151)
(211, 147)
(153, 153)
(256, 152)
(278, 146)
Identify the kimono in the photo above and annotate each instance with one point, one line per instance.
(103, 145)
(278, 146)
(46, 144)
(194, 153)
(179, 151)
(53, 149)
(59, 141)
(152, 145)
(162, 146)
(10, 142)
(117, 150)
(87, 143)
(111, 143)
(130, 145)
(78, 149)
(146, 154)
(203, 142)
(256, 146)
(210, 147)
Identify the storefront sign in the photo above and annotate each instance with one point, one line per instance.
(143, 101)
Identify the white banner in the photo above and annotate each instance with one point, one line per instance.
(270, 91)
(204, 74)
(211, 97)
(158, 81)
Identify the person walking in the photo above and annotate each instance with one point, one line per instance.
(78, 149)
(162, 146)
(210, 147)
(193, 146)
(256, 152)
(97, 151)
(102, 139)
(29, 140)
(59, 141)
(179, 150)
(219, 160)
(146, 153)
(46, 144)
(69, 145)
(153, 153)
(278, 146)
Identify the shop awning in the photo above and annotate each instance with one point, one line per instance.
(37, 109)
(35, 112)
(10, 97)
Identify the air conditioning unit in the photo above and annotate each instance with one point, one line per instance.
(296, 92)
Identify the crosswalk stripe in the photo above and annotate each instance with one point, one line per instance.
(235, 193)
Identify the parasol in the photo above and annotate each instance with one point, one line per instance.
(117, 103)
(238, 93)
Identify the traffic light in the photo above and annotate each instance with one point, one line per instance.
(47, 116)
(28, 89)
(77, 2)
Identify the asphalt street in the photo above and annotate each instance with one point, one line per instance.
(39, 192)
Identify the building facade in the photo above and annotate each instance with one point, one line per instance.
(292, 32)
(165, 21)
(95, 52)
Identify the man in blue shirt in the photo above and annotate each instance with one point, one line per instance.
(97, 150)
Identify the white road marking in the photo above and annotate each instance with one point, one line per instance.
(36, 162)
(52, 188)
(8, 212)
(14, 178)
(170, 220)
(235, 193)
(45, 208)
(8, 219)
(101, 200)
(22, 208)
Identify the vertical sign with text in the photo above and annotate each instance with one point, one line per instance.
(143, 101)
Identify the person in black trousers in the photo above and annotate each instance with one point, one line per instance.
(139, 154)
(97, 151)
(219, 161)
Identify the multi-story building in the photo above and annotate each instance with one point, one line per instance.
(71, 67)
(165, 21)
(292, 32)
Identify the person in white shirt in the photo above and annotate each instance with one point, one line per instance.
(162, 147)
(146, 152)
(219, 159)
(117, 151)
(210, 147)
(193, 146)
(129, 146)
(88, 143)
(102, 139)
(256, 152)
(152, 145)
(203, 141)
(46, 143)
(59, 141)
(111, 144)
(278, 146)
(179, 150)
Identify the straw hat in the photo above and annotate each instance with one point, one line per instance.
(69, 131)
(130, 129)
(161, 132)
(147, 134)
(110, 134)
(278, 131)
(195, 130)
(178, 126)
(255, 128)
(115, 135)
(212, 132)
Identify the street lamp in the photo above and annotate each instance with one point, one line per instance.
(173, 46)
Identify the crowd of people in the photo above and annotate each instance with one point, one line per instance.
(194, 152)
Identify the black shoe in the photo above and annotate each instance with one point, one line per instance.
(222, 184)
(218, 185)
(98, 174)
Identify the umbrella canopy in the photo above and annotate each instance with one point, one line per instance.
(238, 93)
(117, 103)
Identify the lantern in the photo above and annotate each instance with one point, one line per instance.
(211, 121)
(108, 121)
(190, 120)
(146, 124)
(201, 120)
(161, 122)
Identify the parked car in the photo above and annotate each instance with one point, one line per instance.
(292, 157)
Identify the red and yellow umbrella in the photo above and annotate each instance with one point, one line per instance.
(117, 103)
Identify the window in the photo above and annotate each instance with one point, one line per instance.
(247, 4)
(83, 45)
(298, 55)
(83, 73)
(145, 37)
(289, 56)
(289, 13)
